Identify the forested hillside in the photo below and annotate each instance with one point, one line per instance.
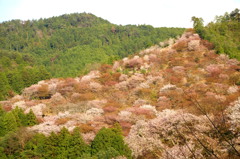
(175, 102)
(224, 33)
(67, 46)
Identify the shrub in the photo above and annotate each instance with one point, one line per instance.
(235, 78)
(86, 128)
(64, 89)
(86, 96)
(143, 92)
(57, 98)
(142, 111)
(180, 46)
(153, 58)
(110, 78)
(175, 79)
(43, 92)
(70, 82)
(62, 121)
(105, 68)
(232, 89)
(207, 44)
(213, 70)
(82, 87)
(94, 111)
(109, 109)
(94, 86)
(76, 97)
(110, 83)
(134, 63)
(112, 103)
(110, 119)
(194, 45)
(126, 126)
(167, 87)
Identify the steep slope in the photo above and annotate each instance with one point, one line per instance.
(179, 101)
(73, 36)
(67, 46)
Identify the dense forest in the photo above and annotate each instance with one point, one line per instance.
(67, 46)
(224, 33)
(17, 142)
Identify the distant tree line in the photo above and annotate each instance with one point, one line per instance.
(224, 32)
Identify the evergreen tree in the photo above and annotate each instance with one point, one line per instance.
(9, 123)
(4, 86)
(110, 137)
(2, 128)
(51, 146)
(109, 153)
(63, 143)
(15, 80)
(77, 146)
(1, 111)
(30, 119)
(36, 147)
(19, 116)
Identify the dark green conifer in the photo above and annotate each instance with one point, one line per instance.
(9, 122)
(30, 119)
(77, 145)
(110, 137)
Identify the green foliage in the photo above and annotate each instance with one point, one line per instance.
(61, 145)
(35, 147)
(4, 86)
(67, 46)
(1, 111)
(78, 146)
(22, 144)
(11, 121)
(108, 153)
(19, 116)
(110, 138)
(17, 71)
(198, 25)
(224, 33)
(30, 119)
(2, 154)
(13, 143)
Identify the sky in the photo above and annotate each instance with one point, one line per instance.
(158, 13)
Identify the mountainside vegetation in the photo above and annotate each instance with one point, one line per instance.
(67, 46)
(177, 99)
(224, 33)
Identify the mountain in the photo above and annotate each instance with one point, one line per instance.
(67, 46)
(178, 99)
